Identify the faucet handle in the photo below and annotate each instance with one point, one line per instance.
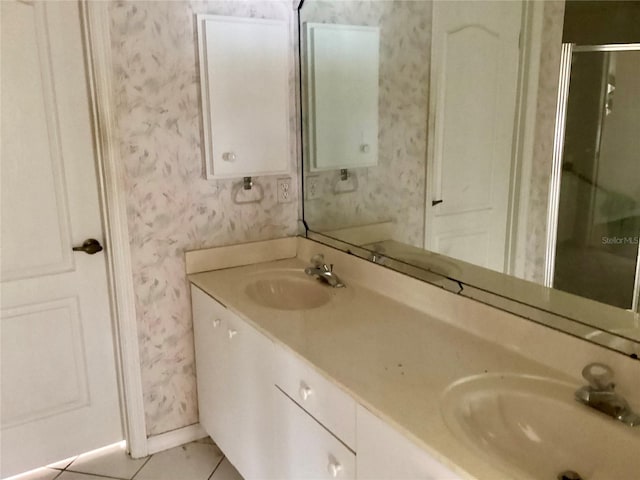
(317, 260)
(599, 376)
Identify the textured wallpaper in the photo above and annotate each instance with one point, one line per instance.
(543, 146)
(395, 188)
(170, 207)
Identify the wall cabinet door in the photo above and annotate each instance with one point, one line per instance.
(244, 76)
(304, 448)
(386, 454)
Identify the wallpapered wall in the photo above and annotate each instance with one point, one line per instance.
(395, 188)
(170, 207)
(544, 133)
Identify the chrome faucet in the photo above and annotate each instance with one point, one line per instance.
(323, 272)
(600, 394)
(377, 254)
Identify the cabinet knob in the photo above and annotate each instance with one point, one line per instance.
(305, 391)
(364, 148)
(229, 157)
(216, 323)
(232, 333)
(334, 467)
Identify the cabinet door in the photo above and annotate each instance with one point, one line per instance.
(234, 366)
(250, 392)
(304, 448)
(386, 454)
(212, 357)
(244, 74)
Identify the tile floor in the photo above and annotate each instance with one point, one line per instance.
(199, 460)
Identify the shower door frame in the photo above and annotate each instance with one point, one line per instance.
(568, 50)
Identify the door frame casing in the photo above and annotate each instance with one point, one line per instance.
(556, 167)
(524, 137)
(98, 59)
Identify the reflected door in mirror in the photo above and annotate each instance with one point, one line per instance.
(474, 79)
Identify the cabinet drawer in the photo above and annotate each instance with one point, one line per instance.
(322, 399)
(306, 450)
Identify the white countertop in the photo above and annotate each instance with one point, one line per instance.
(395, 360)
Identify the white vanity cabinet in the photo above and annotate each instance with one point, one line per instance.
(275, 416)
(235, 385)
(386, 454)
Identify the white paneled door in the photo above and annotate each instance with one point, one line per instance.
(475, 57)
(59, 388)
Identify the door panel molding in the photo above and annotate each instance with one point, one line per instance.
(96, 21)
(62, 394)
(60, 259)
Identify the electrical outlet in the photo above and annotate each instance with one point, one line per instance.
(284, 190)
(312, 187)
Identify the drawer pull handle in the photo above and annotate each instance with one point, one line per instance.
(232, 333)
(305, 391)
(334, 467)
(216, 323)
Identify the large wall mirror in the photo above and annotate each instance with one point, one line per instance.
(489, 147)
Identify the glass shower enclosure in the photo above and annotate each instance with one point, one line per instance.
(594, 224)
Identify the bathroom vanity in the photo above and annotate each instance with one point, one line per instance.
(389, 377)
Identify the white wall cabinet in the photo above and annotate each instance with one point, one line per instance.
(274, 416)
(386, 454)
(244, 79)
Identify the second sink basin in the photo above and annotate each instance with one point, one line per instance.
(288, 290)
(533, 426)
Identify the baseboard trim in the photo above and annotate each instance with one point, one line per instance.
(175, 438)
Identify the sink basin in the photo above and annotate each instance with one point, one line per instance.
(532, 427)
(288, 290)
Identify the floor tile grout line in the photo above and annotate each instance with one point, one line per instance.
(216, 467)
(142, 466)
(92, 475)
(63, 468)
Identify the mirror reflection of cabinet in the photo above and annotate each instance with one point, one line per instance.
(343, 95)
